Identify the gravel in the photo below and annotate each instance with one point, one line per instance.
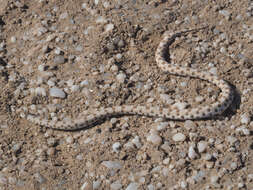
(57, 92)
(59, 61)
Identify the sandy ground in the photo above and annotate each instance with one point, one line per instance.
(101, 53)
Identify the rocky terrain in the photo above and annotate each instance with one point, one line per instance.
(62, 57)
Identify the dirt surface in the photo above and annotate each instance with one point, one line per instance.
(101, 53)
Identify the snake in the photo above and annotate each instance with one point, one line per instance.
(91, 117)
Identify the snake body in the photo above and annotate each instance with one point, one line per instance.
(91, 117)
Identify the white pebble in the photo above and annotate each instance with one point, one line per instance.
(113, 165)
(151, 187)
(245, 118)
(207, 157)
(119, 56)
(13, 39)
(162, 126)
(191, 153)
(121, 77)
(136, 142)
(183, 84)
(214, 179)
(96, 184)
(213, 70)
(183, 184)
(75, 88)
(166, 161)
(202, 145)
(50, 83)
(109, 27)
(41, 68)
(154, 138)
(132, 186)
(56, 92)
(116, 147)
(69, 140)
(179, 137)
(116, 185)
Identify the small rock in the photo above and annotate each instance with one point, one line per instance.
(109, 27)
(166, 161)
(56, 92)
(154, 138)
(121, 77)
(245, 118)
(51, 142)
(207, 157)
(112, 164)
(179, 137)
(116, 185)
(202, 145)
(96, 184)
(116, 147)
(192, 153)
(214, 179)
(59, 59)
(132, 186)
(13, 39)
(69, 140)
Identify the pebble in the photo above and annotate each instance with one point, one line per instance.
(132, 186)
(113, 165)
(166, 161)
(202, 145)
(109, 27)
(213, 70)
(96, 184)
(57, 93)
(116, 147)
(207, 157)
(245, 118)
(192, 153)
(151, 187)
(116, 185)
(51, 142)
(183, 184)
(136, 141)
(69, 140)
(121, 77)
(161, 126)
(154, 138)
(179, 137)
(59, 59)
(13, 39)
(214, 179)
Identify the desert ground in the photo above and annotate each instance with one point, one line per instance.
(61, 58)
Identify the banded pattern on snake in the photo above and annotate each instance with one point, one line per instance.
(91, 117)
